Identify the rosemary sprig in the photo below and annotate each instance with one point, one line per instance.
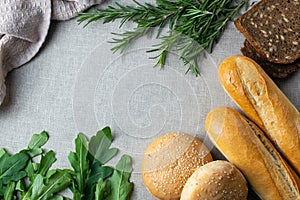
(194, 25)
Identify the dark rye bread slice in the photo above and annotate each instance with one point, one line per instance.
(274, 70)
(273, 28)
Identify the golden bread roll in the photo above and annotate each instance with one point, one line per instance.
(264, 103)
(169, 161)
(245, 145)
(217, 180)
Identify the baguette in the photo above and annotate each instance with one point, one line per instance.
(264, 103)
(245, 145)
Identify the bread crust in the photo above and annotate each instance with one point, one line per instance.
(245, 145)
(258, 47)
(217, 180)
(232, 84)
(274, 70)
(169, 161)
(264, 103)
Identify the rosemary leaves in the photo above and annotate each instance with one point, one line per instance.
(194, 26)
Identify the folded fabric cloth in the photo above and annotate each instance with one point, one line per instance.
(24, 26)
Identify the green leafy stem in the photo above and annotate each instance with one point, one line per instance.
(21, 177)
(193, 25)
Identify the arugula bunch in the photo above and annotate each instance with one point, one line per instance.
(93, 180)
(22, 177)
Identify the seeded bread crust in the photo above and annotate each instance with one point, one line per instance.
(274, 70)
(272, 27)
(169, 161)
(214, 181)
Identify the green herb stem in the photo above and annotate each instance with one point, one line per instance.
(200, 23)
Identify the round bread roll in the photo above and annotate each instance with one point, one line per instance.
(215, 181)
(169, 161)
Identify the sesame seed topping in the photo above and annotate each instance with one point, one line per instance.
(263, 31)
(286, 20)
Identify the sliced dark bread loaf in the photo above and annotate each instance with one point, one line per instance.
(273, 28)
(274, 70)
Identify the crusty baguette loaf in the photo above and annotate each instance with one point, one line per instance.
(245, 145)
(264, 103)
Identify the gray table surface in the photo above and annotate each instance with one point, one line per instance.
(76, 84)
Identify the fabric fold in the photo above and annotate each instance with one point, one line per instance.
(24, 26)
(64, 10)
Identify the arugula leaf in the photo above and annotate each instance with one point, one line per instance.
(9, 193)
(124, 165)
(21, 177)
(2, 189)
(100, 190)
(89, 168)
(79, 162)
(36, 142)
(97, 172)
(56, 182)
(30, 170)
(118, 186)
(99, 147)
(37, 186)
(86, 167)
(107, 132)
(11, 167)
(20, 174)
(59, 197)
(44, 188)
(20, 187)
(2, 152)
(46, 162)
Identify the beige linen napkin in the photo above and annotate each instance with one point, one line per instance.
(24, 26)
